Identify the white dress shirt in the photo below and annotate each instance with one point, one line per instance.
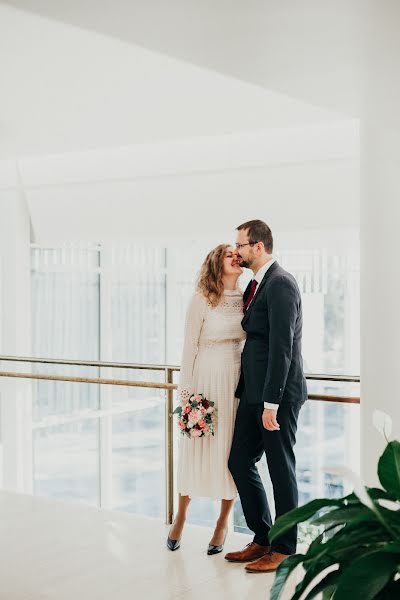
(259, 277)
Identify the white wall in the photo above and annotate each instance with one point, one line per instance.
(380, 239)
(15, 289)
(291, 197)
(15, 328)
(294, 178)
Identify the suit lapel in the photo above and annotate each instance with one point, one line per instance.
(259, 288)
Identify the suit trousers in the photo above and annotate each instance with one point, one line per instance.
(250, 441)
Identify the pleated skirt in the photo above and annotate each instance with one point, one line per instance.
(203, 462)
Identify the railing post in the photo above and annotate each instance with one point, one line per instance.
(169, 451)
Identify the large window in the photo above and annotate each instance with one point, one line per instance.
(127, 303)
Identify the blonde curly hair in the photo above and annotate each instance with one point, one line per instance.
(209, 282)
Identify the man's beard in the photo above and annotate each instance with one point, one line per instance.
(245, 264)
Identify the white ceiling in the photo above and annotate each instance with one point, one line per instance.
(67, 88)
(311, 50)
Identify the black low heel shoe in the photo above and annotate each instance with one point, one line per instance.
(173, 544)
(216, 549)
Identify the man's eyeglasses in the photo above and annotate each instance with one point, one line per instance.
(238, 246)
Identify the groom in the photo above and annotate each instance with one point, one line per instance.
(272, 389)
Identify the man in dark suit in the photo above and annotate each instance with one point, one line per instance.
(272, 388)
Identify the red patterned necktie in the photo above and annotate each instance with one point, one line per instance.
(254, 284)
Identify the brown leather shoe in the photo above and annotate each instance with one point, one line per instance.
(249, 552)
(266, 564)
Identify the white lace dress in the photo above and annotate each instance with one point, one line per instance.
(211, 366)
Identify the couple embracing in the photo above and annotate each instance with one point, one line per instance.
(245, 347)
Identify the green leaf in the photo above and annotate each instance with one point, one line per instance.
(283, 572)
(374, 494)
(298, 515)
(392, 547)
(348, 543)
(390, 591)
(391, 518)
(344, 514)
(361, 534)
(314, 569)
(367, 576)
(389, 469)
(177, 411)
(327, 594)
(328, 583)
(379, 494)
(316, 542)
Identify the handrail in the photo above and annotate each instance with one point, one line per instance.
(336, 378)
(88, 363)
(167, 369)
(119, 365)
(99, 380)
(151, 384)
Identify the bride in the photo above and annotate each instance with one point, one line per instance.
(211, 366)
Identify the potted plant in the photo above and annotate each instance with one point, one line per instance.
(357, 555)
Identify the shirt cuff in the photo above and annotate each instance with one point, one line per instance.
(271, 405)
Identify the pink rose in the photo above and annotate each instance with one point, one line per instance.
(201, 423)
(203, 411)
(187, 409)
(194, 416)
(181, 424)
(198, 398)
(195, 433)
(206, 429)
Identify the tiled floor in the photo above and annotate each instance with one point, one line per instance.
(50, 550)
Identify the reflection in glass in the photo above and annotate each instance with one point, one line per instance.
(66, 461)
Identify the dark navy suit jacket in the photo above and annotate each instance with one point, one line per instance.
(272, 365)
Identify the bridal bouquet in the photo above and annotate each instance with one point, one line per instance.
(196, 416)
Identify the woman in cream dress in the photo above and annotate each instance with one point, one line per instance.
(211, 366)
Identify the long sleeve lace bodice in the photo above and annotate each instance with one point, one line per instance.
(207, 327)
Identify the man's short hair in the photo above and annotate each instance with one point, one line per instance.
(258, 231)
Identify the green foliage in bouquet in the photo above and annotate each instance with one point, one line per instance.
(357, 555)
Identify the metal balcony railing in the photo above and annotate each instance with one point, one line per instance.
(167, 385)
